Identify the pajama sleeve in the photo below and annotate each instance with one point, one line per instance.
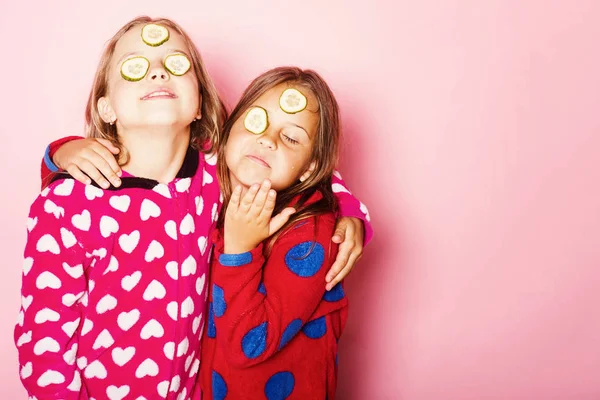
(54, 285)
(48, 167)
(258, 305)
(350, 206)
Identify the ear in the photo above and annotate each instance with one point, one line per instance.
(308, 172)
(106, 111)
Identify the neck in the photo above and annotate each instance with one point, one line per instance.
(155, 153)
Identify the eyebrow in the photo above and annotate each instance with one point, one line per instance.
(135, 53)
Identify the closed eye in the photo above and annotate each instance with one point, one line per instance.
(289, 139)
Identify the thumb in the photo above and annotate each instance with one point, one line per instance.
(280, 219)
(109, 145)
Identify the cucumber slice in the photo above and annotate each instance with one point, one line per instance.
(292, 101)
(135, 68)
(177, 64)
(256, 120)
(154, 35)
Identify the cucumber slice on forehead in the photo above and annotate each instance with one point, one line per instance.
(135, 68)
(256, 120)
(177, 64)
(292, 101)
(154, 35)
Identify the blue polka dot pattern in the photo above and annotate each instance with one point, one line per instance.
(218, 300)
(315, 329)
(235, 260)
(290, 332)
(219, 387)
(254, 342)
(262, 289)
(212, 329)
(280, 386)
(335, 294)
(301, 262)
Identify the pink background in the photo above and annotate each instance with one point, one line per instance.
(470, 133)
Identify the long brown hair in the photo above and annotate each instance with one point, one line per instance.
(204, 133)
(325, 145)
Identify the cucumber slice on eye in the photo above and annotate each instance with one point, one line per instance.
(256, 120)
(177, 64)
(154, 35)
(292, 101)
(135, 68)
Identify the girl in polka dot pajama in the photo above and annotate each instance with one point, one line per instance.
(114, 281)
(272, 327)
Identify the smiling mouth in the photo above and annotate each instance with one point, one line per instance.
(159, 94)
(259, 161)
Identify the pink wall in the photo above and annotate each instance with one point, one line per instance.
(469, 132)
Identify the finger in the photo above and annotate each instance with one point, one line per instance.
(90, 170)
(109, 145)
(76, 173)
(343, 230)
(108, 157)
(105, 162)
(280, 219)
(267, 210)
(260, 199)
(340, 260)
(234, 201)
(248, 198)
(344, 272)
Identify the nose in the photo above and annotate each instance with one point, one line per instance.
(266, 141)
(158, 74)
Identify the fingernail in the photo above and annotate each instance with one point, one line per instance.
(119, 173)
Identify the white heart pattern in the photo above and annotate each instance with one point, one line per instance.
(163, 388)
(47, 280)
(171, 229)
(183, 185)
(91, 192)
(46, 344)
(24, 339)
(70, 327)
(75, 384)
(104, 339)
(120, 203)
(163, 190)
(169, 350)
(117, 393)
(50, 377)
(155, 290)
(202, 244)
(27, 264)
(147, 368)
(95, 370)
(45, 315)
(47, 243)
(122, 356)
(149, 209)
(26, 370)
(75, 272)
(189, 266)
(127, 319)
(65, 188)
(153, 328)
(105, 304)
(196, 323)
(172, 309)
(113, 265)
(82, 221)
(129, 242)
(31, 223)
(130, 281)
(155, 251)
(108, 225)
(173, 269)
(199, 205)
(187, 225)
(87, 327)
(200, 284)
(71, 354)
(67, 238)
(187, 307)
(183, 347)
(206, 178)
(51, 208)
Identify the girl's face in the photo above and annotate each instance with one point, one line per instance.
(159, 99)
(282, 153)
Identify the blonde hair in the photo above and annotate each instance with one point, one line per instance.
(325, 147)
(204, 133)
